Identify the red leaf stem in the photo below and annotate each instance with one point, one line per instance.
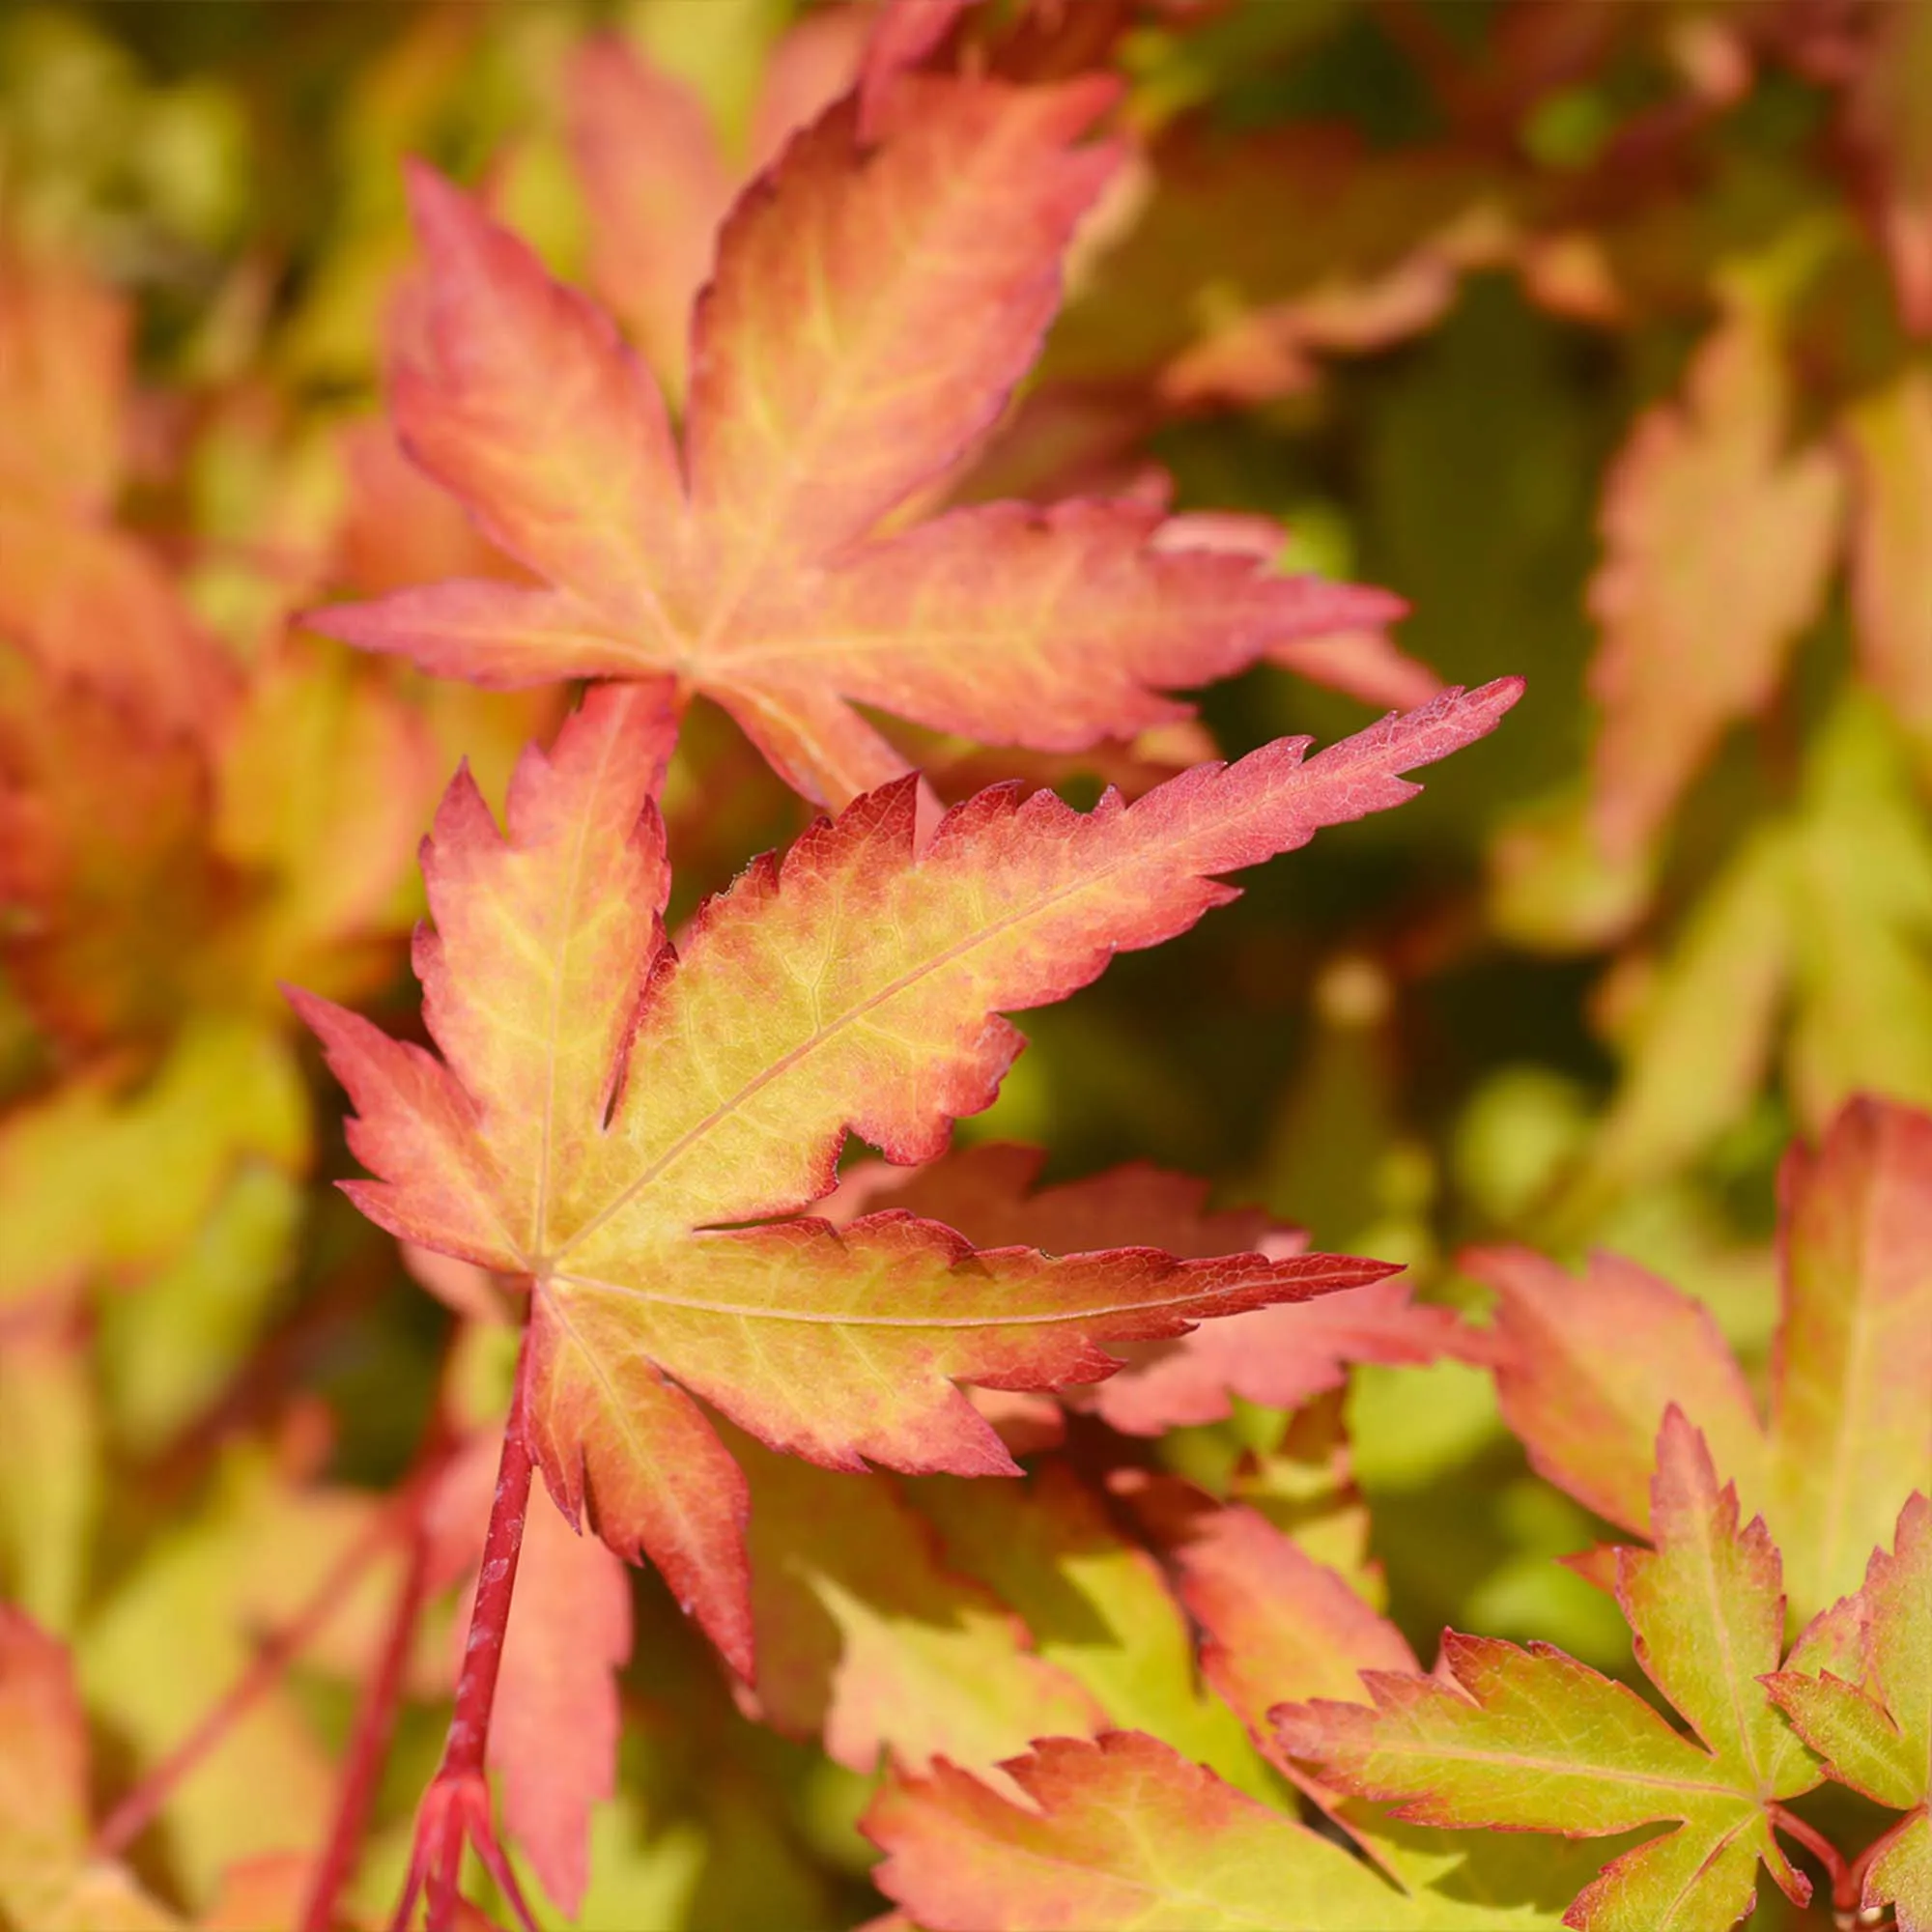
(1822, 1849)
(456, 1808)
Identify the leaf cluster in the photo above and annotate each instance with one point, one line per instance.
(777, 1444)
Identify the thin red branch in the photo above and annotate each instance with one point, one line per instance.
(369, 1743)
(456, 1808)
(137, 1811)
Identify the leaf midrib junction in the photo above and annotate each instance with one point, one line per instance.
(986, 935)
(833, 1319)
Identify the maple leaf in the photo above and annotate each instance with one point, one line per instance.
(50, 1876)
(1531, 1740)
(864, 1635)
(1717, 551)
(1098, 1606)
(831, 378)
(1123, 1834)
(620, 1127)
(1118, 1833)
(1586, 1370)
(1279, 1626)
(1875, 1734)
(1279, 1357)
(657, 183)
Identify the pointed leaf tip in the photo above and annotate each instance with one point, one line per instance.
(859, 986)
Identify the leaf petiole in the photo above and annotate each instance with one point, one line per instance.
(1844, 1889)
(456, 1808)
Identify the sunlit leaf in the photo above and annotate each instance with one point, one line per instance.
(1126, 1834)
(741, 568)
(1588, 1367)
(1531, 1740)
(1873, 1728)
(605, 1115)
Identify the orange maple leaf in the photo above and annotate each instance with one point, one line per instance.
(877, 295)
(632, 1134)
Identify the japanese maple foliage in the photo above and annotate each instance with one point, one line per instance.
(1126, 1830)
(608, 1117)
(1583, 1377)
(1529, 1740)
(1280, 1355)
(1032, 1526)
(1858, 1689)
(836, 375)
